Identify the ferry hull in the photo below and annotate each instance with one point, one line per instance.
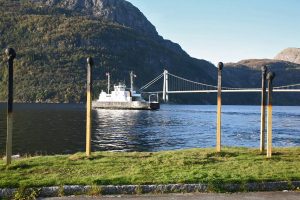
(134, 105)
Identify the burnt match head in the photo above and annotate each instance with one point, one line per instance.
(90, 61)
(220, 66)
(10, 53)
(271, 76)
(264, 69)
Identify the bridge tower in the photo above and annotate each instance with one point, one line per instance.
(166, 87)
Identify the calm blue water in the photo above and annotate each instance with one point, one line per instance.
(52, 129)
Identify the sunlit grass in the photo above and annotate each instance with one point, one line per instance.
(233, 165)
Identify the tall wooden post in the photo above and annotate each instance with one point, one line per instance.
(11, 55)
(219, 106)
(90, 63)
(270, 78)
(263, 109)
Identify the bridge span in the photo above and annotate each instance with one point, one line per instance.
(173, 84)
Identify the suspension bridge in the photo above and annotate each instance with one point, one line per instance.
(173, 84)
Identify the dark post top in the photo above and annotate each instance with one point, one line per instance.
(264, 69)
(90, 61)
(271, 76)
(11, 53)
(220, 66)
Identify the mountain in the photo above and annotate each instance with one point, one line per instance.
(53, 38)
(290, 55)
(247, 74)
(246, 71)
(121, 12)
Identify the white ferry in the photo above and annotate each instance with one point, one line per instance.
(120, 98)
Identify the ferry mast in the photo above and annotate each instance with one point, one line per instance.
(132, 76)
(108, 83)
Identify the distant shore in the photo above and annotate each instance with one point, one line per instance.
(81, 103)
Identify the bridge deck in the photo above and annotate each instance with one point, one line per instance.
(223, 91)
(197, 87)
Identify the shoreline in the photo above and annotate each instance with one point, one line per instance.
(176, 104)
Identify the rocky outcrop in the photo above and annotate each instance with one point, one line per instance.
(53, 39)
(290, 55)
(114, 11)
(118, 11)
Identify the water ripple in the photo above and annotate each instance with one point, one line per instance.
(52, 129)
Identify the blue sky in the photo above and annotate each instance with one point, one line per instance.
(226, 30)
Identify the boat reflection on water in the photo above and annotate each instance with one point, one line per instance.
(60, 129)
(137, 130)
(116, 130)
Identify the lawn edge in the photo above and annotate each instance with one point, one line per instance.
(68, 190)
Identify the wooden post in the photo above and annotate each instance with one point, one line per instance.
(90, 63)
(219, 106)
(270, 78)
(263, 109)
(11, 55)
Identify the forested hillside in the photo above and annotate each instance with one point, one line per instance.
(52, 44)
(53, 38)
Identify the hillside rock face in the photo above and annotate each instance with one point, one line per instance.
(290, 55)
(248, 74)
(118, 11)
(53, 39)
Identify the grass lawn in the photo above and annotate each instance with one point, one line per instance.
(233, 165)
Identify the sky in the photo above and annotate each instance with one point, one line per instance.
(226, 30)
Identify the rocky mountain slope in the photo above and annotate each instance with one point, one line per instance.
(53, 38)
(247, 74)
(121, 12)
(290, 55)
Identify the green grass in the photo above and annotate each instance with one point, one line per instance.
(233, 165)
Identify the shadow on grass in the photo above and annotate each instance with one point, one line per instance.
(78, 157)
(222, 154)
(277, 153)
(210, 158)
(201, 162)
(21, 166)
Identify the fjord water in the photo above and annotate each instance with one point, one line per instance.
(60, 128)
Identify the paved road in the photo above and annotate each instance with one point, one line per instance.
(235, 196)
